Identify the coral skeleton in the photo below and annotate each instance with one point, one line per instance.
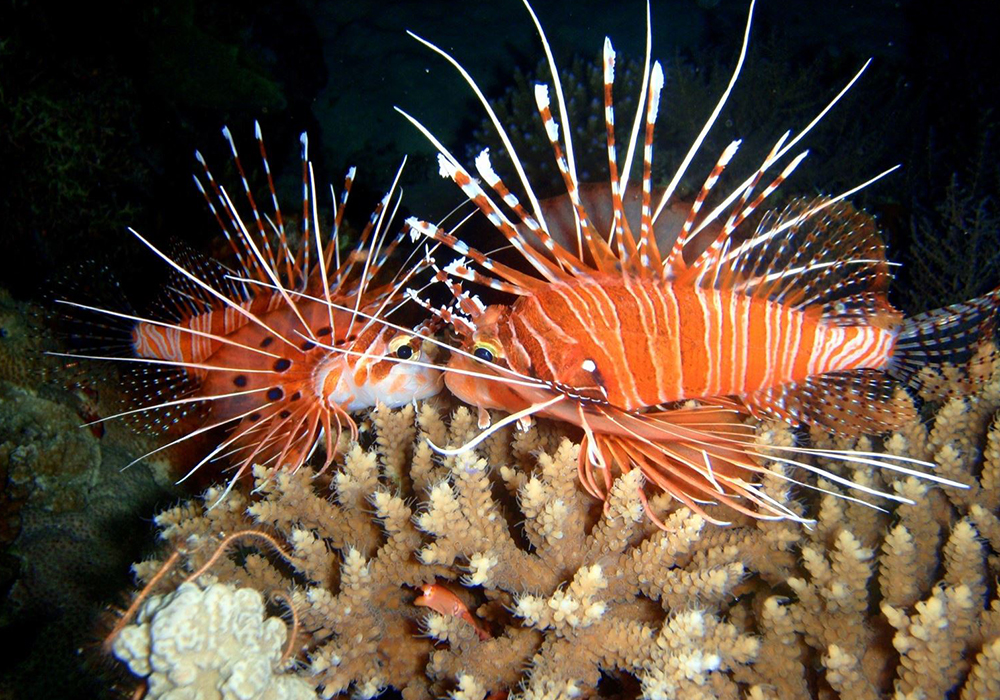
(551, 594)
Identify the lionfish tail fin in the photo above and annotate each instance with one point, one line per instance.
(950, 349)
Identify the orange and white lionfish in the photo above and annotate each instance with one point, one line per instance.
(283, 349)
(659, 351)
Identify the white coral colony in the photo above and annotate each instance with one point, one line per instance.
(212, 643)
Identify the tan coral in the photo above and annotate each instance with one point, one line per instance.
(564, 591)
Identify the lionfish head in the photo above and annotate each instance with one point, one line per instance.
(382, 365)
(479, 368)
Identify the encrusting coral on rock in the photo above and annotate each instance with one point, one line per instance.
(493, 572)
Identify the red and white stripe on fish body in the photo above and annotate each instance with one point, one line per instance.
(281, 351)
(618, 337)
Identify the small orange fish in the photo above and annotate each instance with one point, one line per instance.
(442, 601)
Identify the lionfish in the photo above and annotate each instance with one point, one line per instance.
(660, 352)
(280, 350)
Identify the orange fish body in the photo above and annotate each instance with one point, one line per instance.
(444, 602)
(640, 343)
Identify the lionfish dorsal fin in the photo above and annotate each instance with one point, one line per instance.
(675, 260)
(604, 258)
(378, 226)
(450, 167)
(339, 206)
(649, 251)
(302, 258)
(474, 192)
(674, 263)
(744, 207)
(566, 259)
(222, 215)
(278, 224)
(459, 268)
(252, 247)
(671, 187)
(640, 112)
(181, 298)
(818, 254)
(620, 232)
(267, 259)
(513, 281)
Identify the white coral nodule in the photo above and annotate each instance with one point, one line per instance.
(480, 564)
(212, 642)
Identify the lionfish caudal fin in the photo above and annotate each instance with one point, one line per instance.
(216, 328)
(818, 256)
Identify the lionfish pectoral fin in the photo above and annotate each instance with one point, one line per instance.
(845, 403)
(103, 325)
(703, 456)
(165, 399)
(153, 397)
(688, 474)
(182, 298)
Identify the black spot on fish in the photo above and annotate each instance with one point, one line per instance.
(267, 341)
(282, 364)
(284, 414)
(275, 393)
(308, 345)
(296, 396)
(240, 380)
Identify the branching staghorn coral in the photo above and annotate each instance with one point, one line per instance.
(900, 604)
(551, 594)
(341, 566)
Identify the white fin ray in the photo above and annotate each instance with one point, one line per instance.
(639, 111)
(265, 266)
(165, 324)
(493, 118)
(208, 288)
(375, 244)
(696, 145)
(320, 257)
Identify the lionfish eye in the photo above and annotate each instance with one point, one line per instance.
(401, 347)
(483, 353)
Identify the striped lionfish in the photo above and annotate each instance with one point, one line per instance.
(281, 350)
(659, 348)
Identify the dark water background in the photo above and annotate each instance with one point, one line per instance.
(102, 105)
